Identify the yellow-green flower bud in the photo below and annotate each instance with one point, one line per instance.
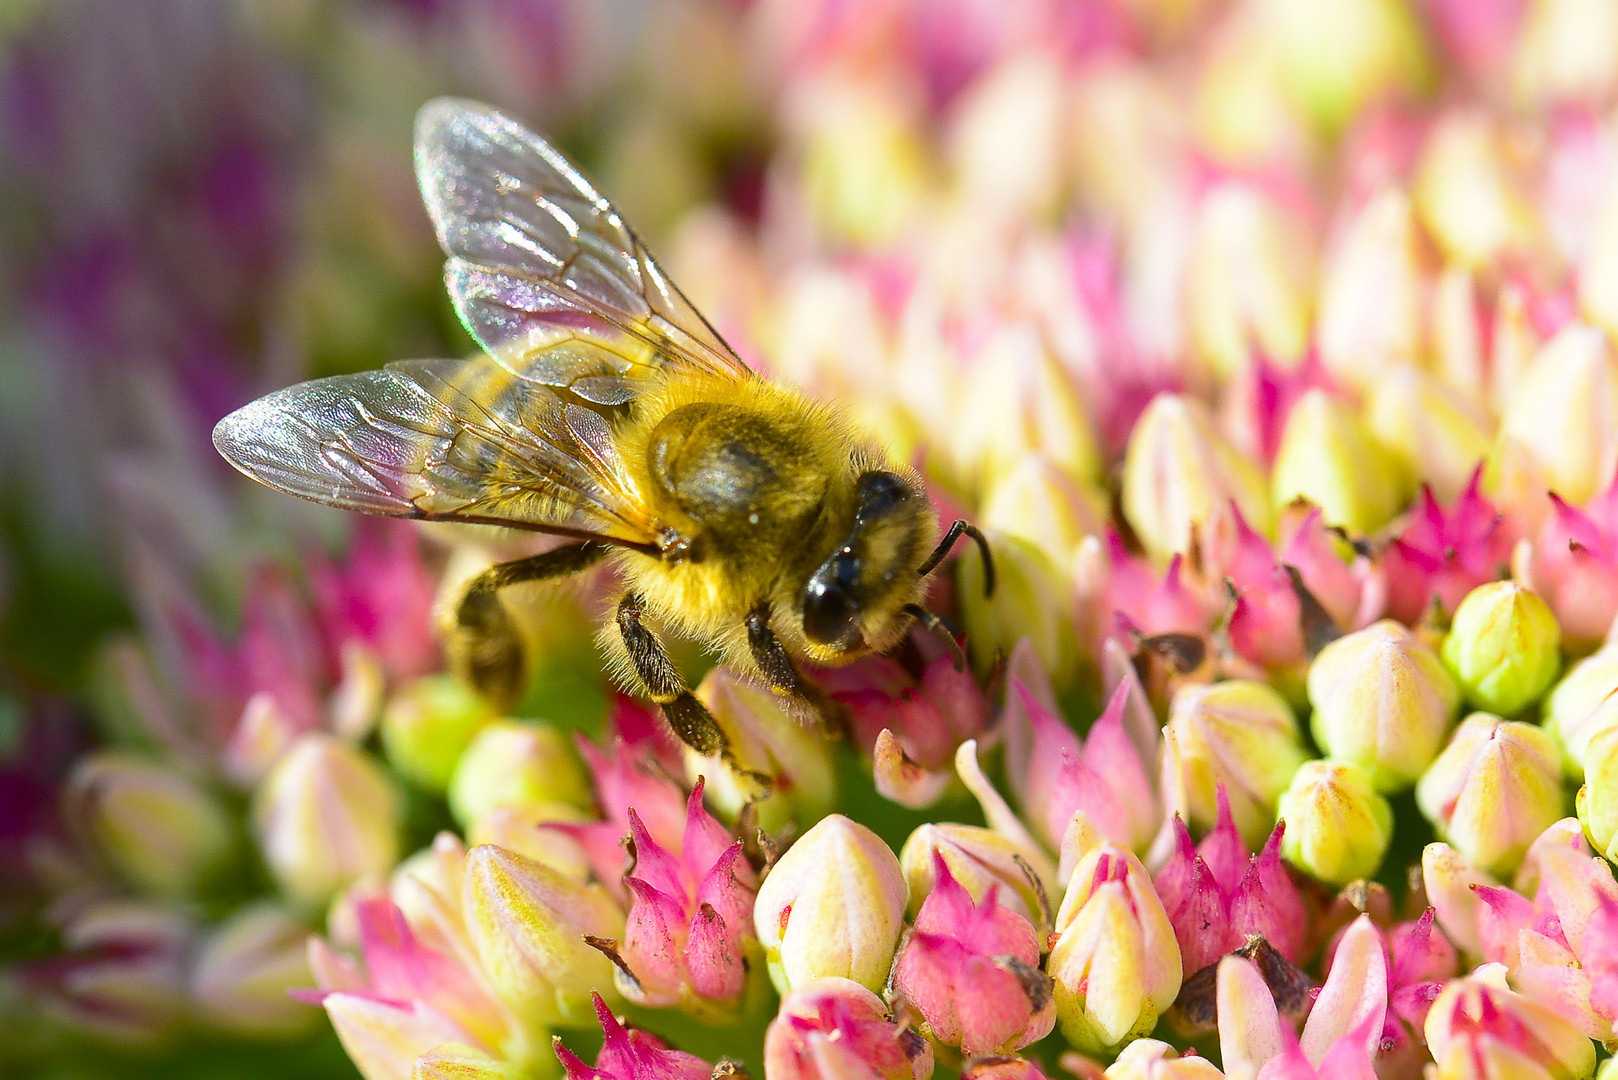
(515, 764)
(528, 923)
(1032, 599)
(160, 830)
(1382, 700)
(1438, 434)
(833, 905)
(1504, 647)
(1180, 473)
(1337, 826)
(1240, 734)
(1115, 963)
(1582, 706)
(1329, 457)
(1496, 787)
(763, 738)
(326, 816)
(1598, 798)
(426, 726)
(1039, 503)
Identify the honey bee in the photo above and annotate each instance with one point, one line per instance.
(606, 410)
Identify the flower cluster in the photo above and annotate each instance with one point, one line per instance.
(1274, 347)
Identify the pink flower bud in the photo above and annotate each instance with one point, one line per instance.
(832, 905)
(835, 1029)
(1496, 787)
(1059, 773)
(1443, 554)
(690, 914)
(1568, 957)
(1217, 895)
(628, 1054)
(381, 597)
(972, 971)
(1115, 961)
(1573, 565)
(980, 859)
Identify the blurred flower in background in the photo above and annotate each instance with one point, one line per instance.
(1271, 344)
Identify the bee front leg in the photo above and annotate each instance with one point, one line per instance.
(484, 647)
(783, 675)
(689, 718)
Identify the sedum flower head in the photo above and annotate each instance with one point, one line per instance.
(1382, 700)
(833, 905)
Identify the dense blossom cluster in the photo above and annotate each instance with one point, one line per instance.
(1274, 346)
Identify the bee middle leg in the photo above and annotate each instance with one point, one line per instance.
(783, 675)
(689, 718)
(483, 644)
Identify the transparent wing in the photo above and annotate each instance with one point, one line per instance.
(544, 272)
(461, 440)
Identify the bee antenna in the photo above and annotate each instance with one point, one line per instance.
(936, 627)
(953, 534)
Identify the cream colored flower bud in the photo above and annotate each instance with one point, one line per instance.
(1564, 411)
(1238, 734)
(428, 724)
(832, 905)
(528, 924)
(1370, 314)
(1438, 434)
(243, 975)
(1180, 473)
(1330, 458)
(1582, 706)
(160, 829)
(326, 816)
(1495, 787)
(1382, 700)
(1115, 962)
(1597, 801)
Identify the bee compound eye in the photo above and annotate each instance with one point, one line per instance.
(879, 493)
(828, 611)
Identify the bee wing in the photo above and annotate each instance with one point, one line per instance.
(543, 271)
(460, 440)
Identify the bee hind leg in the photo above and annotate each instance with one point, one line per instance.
(689, 718)
(783, 675)
(483, 644)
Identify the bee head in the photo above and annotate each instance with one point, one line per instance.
(873, 569)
